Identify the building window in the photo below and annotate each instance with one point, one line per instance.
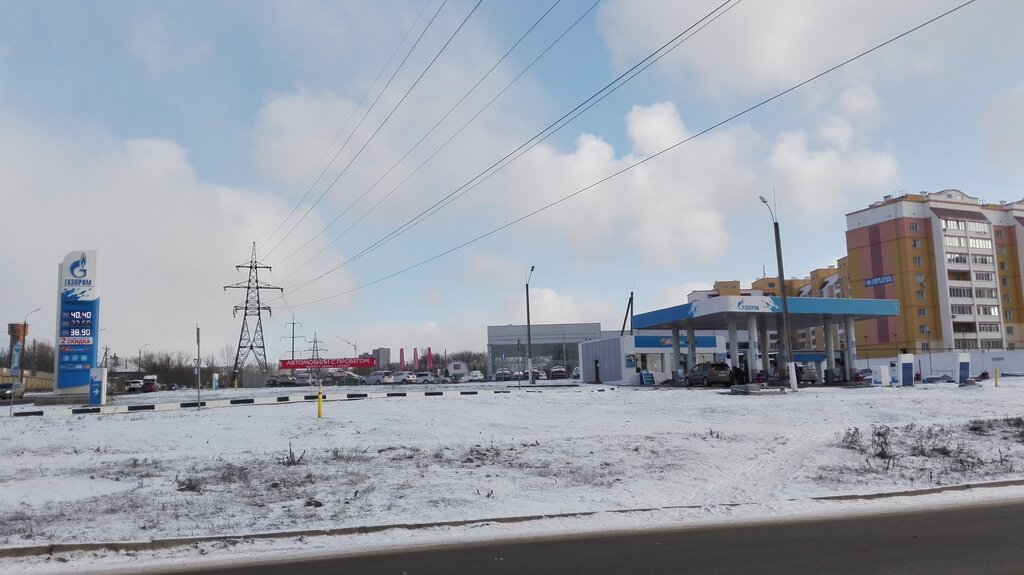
(982, 259)
(1011, 346)
(961, 309)
(981, 227)
(1002, 266)
(1004, 282)
(913, 226)
(988, 310)
(919, 294)
(989, 293)
(999, 234)
(959, 292)
(922, 312)
(954, 241)
(1008, 314)
(1002, 250)
(925, 346)
(988, 327)
(915, 243)
(984, 276)
(1009, 330)
(1006, 297)
(922, 329)
(919, 278)
(980, 243)
(965, 343)
(956, 258)
(991, 344)
(917, 260)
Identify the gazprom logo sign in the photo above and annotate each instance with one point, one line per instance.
(78, 270)
(744, 306)
(878, 281)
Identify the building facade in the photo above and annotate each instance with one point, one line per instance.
(382, 355)
(951, 260)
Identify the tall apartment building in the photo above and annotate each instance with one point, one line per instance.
(952, 261)
(382, 355)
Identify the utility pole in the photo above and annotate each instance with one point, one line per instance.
(199, 368)
(252, 308)
(293, 337)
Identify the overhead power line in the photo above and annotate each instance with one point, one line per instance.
(342, 129)
(645, 159)
(416, 145)
(539, 137)
(379, 127)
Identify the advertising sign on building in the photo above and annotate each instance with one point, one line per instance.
(77, 321)
(878, 281)
(328, 363)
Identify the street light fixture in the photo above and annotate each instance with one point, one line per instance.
(529, 339)
(782, 287)
(21, 360)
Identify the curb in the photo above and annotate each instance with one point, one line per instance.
(265, 400)
(167, 543)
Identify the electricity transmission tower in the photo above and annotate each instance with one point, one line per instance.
(315, 351)
(252, 308)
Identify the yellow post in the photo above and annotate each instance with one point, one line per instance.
(320, 402)
(997, 377)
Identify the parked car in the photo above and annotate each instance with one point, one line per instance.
(149, 386)
(576, 373)
(403, 377)
(709, 373)
(863, 375)
(502, 375)
(424, 377)
(475, 375)
(17, 389)
(806, 373)
(558, 372)
(518, 376)
(540, 374)
(379, 377)
(133, 385)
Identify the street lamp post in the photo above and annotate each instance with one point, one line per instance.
(782, 286)
(140, 357)
(529, 339)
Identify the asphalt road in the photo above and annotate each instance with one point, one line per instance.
(967, 540)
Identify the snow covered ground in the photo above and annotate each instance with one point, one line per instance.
(672, 456)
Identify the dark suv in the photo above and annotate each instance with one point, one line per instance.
(708, 373)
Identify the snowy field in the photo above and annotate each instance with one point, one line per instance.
(630, 458)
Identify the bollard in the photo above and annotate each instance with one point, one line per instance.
(320, 402)
(997, 377)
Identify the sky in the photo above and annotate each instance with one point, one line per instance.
(175, 137)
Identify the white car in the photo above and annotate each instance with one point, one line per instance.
(379, 377)
(133, 386)
(403, 377)
(424, 377)
(475, 375)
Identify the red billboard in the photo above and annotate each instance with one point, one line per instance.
(328, 362)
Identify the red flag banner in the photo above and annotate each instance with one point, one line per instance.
(328, 362)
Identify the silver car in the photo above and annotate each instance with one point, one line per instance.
(7, 389)
(424, 377)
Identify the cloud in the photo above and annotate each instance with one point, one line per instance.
(168, 241)
(494, 269)
(818, 181)
(162, 51)
(763, 46)
(1004, 130)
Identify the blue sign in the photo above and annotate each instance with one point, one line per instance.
(96, 390)
(79, 319)
(16, 359)
(878, 281)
